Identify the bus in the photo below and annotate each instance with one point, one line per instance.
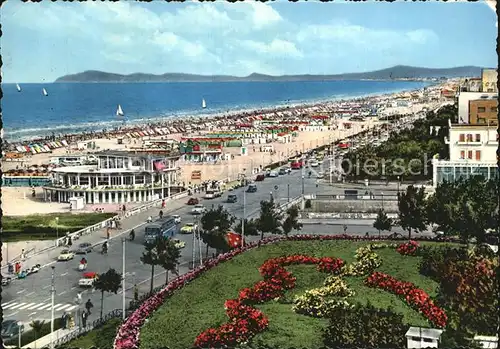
(165, 227)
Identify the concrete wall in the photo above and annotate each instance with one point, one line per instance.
(368, 206)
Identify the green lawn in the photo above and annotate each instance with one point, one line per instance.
(44, 227)
(102, 337)
(200, 304)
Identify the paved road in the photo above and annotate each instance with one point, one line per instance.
(29, 299)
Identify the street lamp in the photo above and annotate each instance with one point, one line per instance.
(57, 227)
(271, 196)
(381, 193)
(398, 186)
(303, 185)
(19, 325)
(52, 301)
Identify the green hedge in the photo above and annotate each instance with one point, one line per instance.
(43, 227)
(102, 338)
(29, 336)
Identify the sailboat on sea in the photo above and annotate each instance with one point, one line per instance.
(44, 91)
(18, 88)
(203, 103)
(119, 111)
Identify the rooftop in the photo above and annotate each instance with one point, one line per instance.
(131, 153)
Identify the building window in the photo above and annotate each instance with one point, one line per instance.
(116, 180)
(494, 109)
(119, 163)
(469, 137)
(481, 109)
(461, 137)
(139, 179)
(469, 154)
(104, 180)
(478, 137)
(84, 181)
(478, 155)
(462, 154)
(127, 180)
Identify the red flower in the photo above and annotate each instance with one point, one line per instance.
(409, 248)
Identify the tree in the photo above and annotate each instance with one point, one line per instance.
(110, 281)
(291, 221)
(150, 256)
(37, 327)
(251, 227)
(382, 222)
(269, 219)
(412, 209)
(168, 255)
(216, 223)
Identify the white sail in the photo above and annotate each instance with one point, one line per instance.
(203, 104)
(119, 111)
(18, 88)
(44, 91)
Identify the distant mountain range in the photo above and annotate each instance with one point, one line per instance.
(396, 72)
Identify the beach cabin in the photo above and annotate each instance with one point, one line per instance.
(201, 149)
(419, 337)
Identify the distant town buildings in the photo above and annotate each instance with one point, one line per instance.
(473, 142)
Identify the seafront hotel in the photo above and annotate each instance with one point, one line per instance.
(473, 142)
(118, 177)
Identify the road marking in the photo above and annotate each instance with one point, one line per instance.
(45, 287)
(73, 287)
(46, 300)
(21, 291)
(12, 314)
(35, 306)
(72, 307)
(63, 274)
(28, 294)
(7, 303)
(26, 306)
(7, 306)
(61, 307)
(45, 306)
(17, 306)
(63, 292)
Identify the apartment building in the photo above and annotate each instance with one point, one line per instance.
(483, 112)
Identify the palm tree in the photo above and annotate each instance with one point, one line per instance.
(37, 326)
(110, 281)
(150, 257)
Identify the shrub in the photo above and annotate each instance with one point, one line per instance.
(308, 203)
(365, 326)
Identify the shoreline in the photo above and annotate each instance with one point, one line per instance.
(187, 116)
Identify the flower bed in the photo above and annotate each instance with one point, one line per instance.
(128, 334)
(245, 320)
(408, 249)
(414, 296)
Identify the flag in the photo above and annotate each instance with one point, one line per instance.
(159, 165)
(233, 240)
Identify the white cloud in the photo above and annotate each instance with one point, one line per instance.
(277, 47)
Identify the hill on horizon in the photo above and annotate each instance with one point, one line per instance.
(396, 72)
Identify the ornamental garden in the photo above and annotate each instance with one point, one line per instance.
(309, 291)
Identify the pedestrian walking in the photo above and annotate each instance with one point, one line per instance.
(136, 293)
(64, 320)
(107, 233)
(88, 306)
(85, 315)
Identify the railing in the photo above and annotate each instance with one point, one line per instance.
(79, 331)
(354, 197)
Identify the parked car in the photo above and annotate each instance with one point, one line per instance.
(282, 172)
(252, 188)
(10, 329)
(198, 209)
(88, 280)
(177, 219)
(193, 201)
(273, 174)
(6, 280)
(188, 228)
(84, 248)
(65, 255)
(260, 178)
(232, 198)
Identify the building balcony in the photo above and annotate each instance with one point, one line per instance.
(471, 143)
(101, 188)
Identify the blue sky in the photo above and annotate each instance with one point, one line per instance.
(42, 41)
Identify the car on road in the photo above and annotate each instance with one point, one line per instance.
(231, 198)
(198, 209)
(88, 280)
(212, 194)
(188, 228)
(65, 255)
(252, 188)
(260, 178)
(179, 244)
(84, 248)
(313, 163)
(11, 328)
(6, 280)
(193, 201)
(273, 174)
(177, 219)
(282, 172)
(320, 174)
